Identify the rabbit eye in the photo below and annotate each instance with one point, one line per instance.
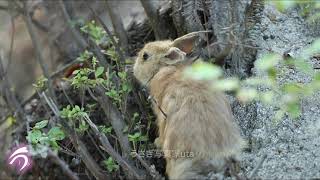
(145, 56)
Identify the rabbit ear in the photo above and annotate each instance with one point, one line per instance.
(174, 55)
(186, 43)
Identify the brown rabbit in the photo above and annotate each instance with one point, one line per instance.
(196, 128)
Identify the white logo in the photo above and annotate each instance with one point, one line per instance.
(20, 159)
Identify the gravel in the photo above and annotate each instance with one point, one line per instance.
(292, 146)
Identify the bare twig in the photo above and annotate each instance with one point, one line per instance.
(97, 51)
(118, 26)
(11, 43)
(255, 170)
(108, 148)
(36, 44)
(97, 146)
(63, 165)
(9, 96)
(4, 8)
(65, 94)
(154, 173)
(54, 75)
(116, 45)
(81, 41)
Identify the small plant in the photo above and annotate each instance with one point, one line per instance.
(135, 117)
(105, 130)
(72, 113)
(75, 114)
(137, 137)
(285, 97)
(114, 95)
(82, 80)
(110, 164)
(117, 94)
(40, 84)
(38, 137)
(125, 85)
(309, 9)
(85, 56)
(95, 32)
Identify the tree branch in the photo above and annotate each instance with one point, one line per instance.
(89, 162)
(77, 36)
(116, 45)
(118, 27)
(81, 41)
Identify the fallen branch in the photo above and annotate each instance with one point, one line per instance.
(109, 149)
(117, 121)
(255, 170)
(62, 164)
(153, 172)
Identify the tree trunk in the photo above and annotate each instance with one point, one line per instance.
(233, 23)
(161, 25)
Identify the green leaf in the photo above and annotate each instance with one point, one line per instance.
(56, 133)
(282, 5)
(99, 71)
(44, 140)
(317, 76)
(125, 129)
(41, 124)
(293, 88)
(83, 126)
(267, 97)
(247, 94)
(77, 108)
(278, 115)
(304, 67)
(54, 144)
(301, 65)
(34, 136)
(313, 49)
(143, 138)
(84, 78)
(105, 130)
(203, 71)
(294, 109)
(272, 73)
(110, 164)
(226, 84)
(267, 62)
(255, 81)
